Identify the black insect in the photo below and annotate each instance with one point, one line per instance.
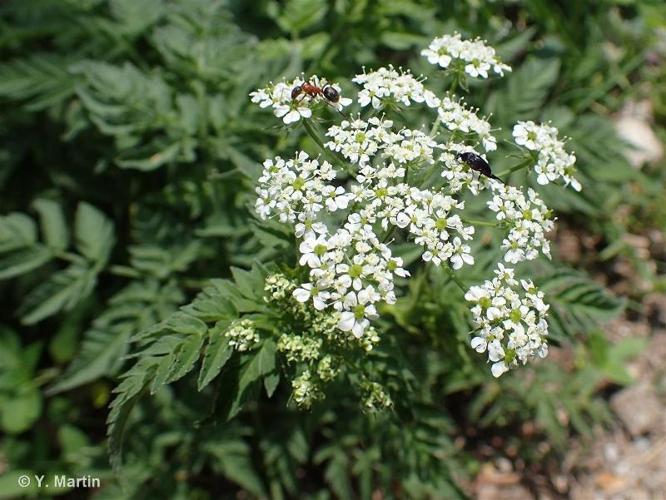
(477, 163)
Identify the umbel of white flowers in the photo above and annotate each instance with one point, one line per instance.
(345, 230)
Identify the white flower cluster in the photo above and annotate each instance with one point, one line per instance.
(242, 335)
(458, 117)
(554, 161)
(296, 190)
(475, 56)
(528, 220)
(510, 320)
(458, 174)
(386, 179)
(350, 270)
(390, 84)
(360, 141)
(279, 97)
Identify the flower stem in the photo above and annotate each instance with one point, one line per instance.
(314, 135)
(475, 222)
(520, 166)
(455, 279)
(454, 84)
(435, 127)
(388, 234)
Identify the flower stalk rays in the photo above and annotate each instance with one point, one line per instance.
(386, 183)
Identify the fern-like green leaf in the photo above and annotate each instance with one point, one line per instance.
(217, 354)
(63, 290)
(94, 234)
(578, 304)
(52, 221)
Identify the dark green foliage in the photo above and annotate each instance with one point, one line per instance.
(128, 247)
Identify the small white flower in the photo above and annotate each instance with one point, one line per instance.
(312, 249)
(336, 198)
(455, 115)
(306, 290)
(293, 113)
(499, 368)
(461, 254)
(479, 344)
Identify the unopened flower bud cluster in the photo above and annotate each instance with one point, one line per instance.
(375, 397)
(242, 335)
(305, 391)
(315, 351)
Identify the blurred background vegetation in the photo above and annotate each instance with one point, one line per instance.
(127, 157)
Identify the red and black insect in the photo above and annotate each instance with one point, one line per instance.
(307, 88)
(477, 163)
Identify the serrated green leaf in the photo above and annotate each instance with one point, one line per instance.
(63, 290)
(52, 219)
(106, 343)
(217, 354)
(213, 303)
(94, 233)
(183, 323)
(299, 15)
(102, 352)
(577, 303)
(260, 364)
(21, 261)
(234, 458)
(127, 394)
(526, 90)
(187, 356)
(17, 231)
(39, 79)
(271, 382)
(166, 365)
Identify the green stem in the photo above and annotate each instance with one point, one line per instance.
(455, 279)
(481, 222)
(517, 167)
(388, 234)
(435, 126)
(68, 256)
(454, 84)
(124, 271)
(315, 136)
(309, 128)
